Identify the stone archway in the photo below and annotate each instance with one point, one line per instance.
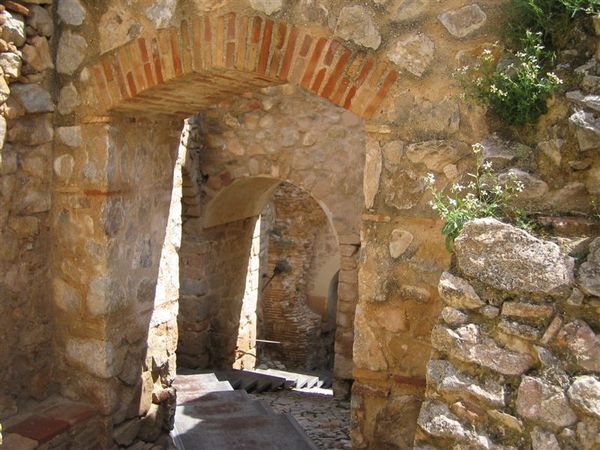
(226, 258)
(182, 70)
(246, 151)
(135, 95)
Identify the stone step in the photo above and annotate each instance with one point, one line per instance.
(200, 410)
(191, 387)
(300, 380)
(252, 381)
(260, 432)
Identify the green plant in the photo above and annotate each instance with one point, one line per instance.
(581, 6)
(517, 92)
(553, 19)
(484, 195)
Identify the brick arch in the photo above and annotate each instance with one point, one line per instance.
(183, 69)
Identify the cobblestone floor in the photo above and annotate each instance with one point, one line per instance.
(326, 420)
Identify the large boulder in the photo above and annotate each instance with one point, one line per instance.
(510, 259)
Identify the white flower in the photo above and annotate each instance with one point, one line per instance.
(477, 148)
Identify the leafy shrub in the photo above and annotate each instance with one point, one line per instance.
(516, 92)
(551, 18)
(483, 196)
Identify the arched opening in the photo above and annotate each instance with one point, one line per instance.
(254, 276)
(162, 76)
(296, 330)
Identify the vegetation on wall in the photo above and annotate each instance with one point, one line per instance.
(484, 195)
(515, 82)
(517, 91)
(553, 19)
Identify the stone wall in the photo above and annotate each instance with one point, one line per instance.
(516, 351)
(117, 228)
(129, 72)
(26, 135)
(243, 150)
(217, 267)
(284, 307)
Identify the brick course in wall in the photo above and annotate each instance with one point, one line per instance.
(286, 316)
(229, 54)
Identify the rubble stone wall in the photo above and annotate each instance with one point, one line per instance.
(516, 350)
(95, 172)
(117, 229)
(217, 265)
(27, 102)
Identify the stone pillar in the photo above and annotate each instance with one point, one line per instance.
(402, 255)
(116, 231)
(346, 305)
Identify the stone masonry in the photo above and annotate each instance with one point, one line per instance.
(516, 358)
(140, 140)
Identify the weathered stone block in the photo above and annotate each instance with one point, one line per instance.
(37, 54)
(400, 241)
(585, 395)
(510, 259)
(543, 440)
(71, 12)
(543, 402)
(527, 310)
(33, 97)
(414, 53)
(436, 419)
(588, 276)
(462, 22)
(71, 52)
(356, 24)
(457, 293)
(453, 316)
(582, 343)
(437, 154)
(447, 379)
(587, 129)
(469, 345)
(13, 28)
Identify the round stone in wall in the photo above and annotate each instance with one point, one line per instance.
(71, 51)
(585, 395)
(71, 12)
(13, 28)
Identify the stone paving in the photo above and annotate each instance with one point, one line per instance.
(326, 420)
